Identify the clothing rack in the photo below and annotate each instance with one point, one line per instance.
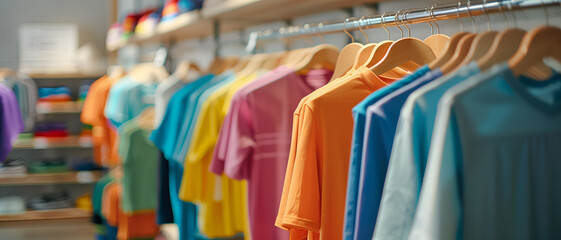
(406, 16)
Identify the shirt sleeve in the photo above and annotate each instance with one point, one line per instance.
(439, 211)
(304, 201)
(241, 141)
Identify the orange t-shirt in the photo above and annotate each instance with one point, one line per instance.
(319, 157)
(110, 203)
(104, 136)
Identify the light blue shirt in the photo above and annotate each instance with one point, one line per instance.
(165, 136)
(359, 116)
(127, 99)
(409, 153)
(191, 113)
(494, 162)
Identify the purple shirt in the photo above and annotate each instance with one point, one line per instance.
(254, 141)
(11, 122)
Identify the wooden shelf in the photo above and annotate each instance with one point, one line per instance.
(59, 107)
(235, 15)
(50, 143)
(64, 213)
(41, 179)
(62, 75)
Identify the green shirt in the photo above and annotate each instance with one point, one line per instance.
(140, 163)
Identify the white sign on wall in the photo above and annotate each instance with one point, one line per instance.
(48, 48)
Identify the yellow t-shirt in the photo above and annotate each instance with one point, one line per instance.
(228, 215)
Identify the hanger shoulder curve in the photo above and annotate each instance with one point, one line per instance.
(403, 50)
(345, 59)
(536, 44)
(437, 43)
(448, 51)
(461, 51)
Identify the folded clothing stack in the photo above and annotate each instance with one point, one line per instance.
(13, 168)
(48, 165)
(12, 205)
(51, 129)
(54, 94)
(51, 200)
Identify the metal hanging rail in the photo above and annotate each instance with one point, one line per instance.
(411, 16)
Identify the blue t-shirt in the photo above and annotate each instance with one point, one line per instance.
(494, 161)
(191, 114)
(381, 124)
(359, 116)
(193, 121)
(165, 136)
(409, 153)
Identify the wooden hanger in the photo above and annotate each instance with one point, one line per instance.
(402, 51)
(537, 44)
(448, 50)
(480, 45)
(184, 69)
(461, 51)
(378, 54)
(215, 66)
(229, 63)
(346, 58)
(241, 64)
(115, 71)
(272, 60)
(322, 56)
(506, 43)
(148, 72)
(254, 64)
(363, 55)
(437, 42)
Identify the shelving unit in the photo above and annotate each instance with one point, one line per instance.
(65, 142)
(63, 76)
(65, 213)
(73, 107)
(81, 177)
(234, 15)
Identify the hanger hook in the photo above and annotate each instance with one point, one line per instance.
(429, 22)
(487, 15)
(512, 13)
(347, 32)
(504, 15)
(471, 17)
(546, 14)
(383, 21)
(432, 17)
(403, 21)
(395, 20)
(360, 28)
(320, 26)
(459, 16)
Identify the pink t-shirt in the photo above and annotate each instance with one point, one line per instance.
(254, 141)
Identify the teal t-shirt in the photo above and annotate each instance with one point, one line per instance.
(494, 161)
(127, 99)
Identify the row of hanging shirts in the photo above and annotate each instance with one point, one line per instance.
(432, 139)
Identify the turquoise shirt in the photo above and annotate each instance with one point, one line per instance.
(494, 161)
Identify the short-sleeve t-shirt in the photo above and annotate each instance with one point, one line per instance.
(316, 197)
(493, 165)
(258, 141)
(140, 161)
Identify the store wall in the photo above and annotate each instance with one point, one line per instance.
(233, 44)
(91, 16)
